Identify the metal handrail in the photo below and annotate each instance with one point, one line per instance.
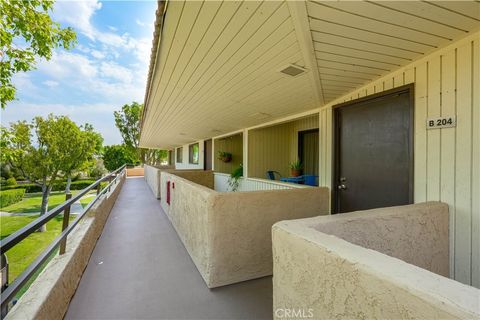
(13, 239)
(4, 284)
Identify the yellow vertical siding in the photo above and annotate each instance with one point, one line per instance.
(275, 147)
(447, 160)
(232, 144)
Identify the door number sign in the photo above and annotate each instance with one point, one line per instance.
(442, 122)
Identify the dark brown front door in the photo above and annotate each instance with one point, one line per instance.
(207, 153)
(308, 151)
(373, 157)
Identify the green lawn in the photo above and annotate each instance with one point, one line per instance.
(20, 256)
(33, 201)
(84, 201)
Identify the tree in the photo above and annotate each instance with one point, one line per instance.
(128, 122)
(116, 156)
(97, 139)
(87, 143)
(41, 150)
(14, 143)
(6, 154)
(154, 157)
(27, 33)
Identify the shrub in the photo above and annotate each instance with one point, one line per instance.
(76, 185)
(11, 182)
(29, 187)
(8, 197)
(60, 186)
(98, 169)
(5, 171)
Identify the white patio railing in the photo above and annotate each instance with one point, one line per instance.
(252, 184)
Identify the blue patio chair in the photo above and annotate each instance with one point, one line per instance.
(298, 179)
(310, 180)
(271, 175)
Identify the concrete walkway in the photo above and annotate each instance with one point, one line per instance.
(141, 270)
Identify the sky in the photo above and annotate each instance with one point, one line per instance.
(106, 69)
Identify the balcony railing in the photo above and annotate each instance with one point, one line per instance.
(10, 290)
(253, 184)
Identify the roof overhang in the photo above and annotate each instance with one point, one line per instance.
(215, 66)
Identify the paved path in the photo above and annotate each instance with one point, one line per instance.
(141, 270)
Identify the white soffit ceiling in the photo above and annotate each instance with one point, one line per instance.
(356, 42)
(218, 62)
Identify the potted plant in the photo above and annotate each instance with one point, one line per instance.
(235, 176)
(224, 156)
(296, 168)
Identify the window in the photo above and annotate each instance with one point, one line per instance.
(180, 155)
(193, 151)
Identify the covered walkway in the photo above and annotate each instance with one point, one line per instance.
(141, 270)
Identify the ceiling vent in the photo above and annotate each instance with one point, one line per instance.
(292, 70)
(260, 115)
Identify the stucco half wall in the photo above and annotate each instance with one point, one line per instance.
(348, 266)
(135, 172)
(152, 177)
(228, 234)
(202, 177)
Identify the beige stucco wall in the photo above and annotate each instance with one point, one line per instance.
(189, 205)
(201, 177)
(49, 295)
(323, 275)
(135, 172)
(152, 177)
(417, 234)
(228, 235)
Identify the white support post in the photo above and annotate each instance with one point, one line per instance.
(213, 154)
(245, 153)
